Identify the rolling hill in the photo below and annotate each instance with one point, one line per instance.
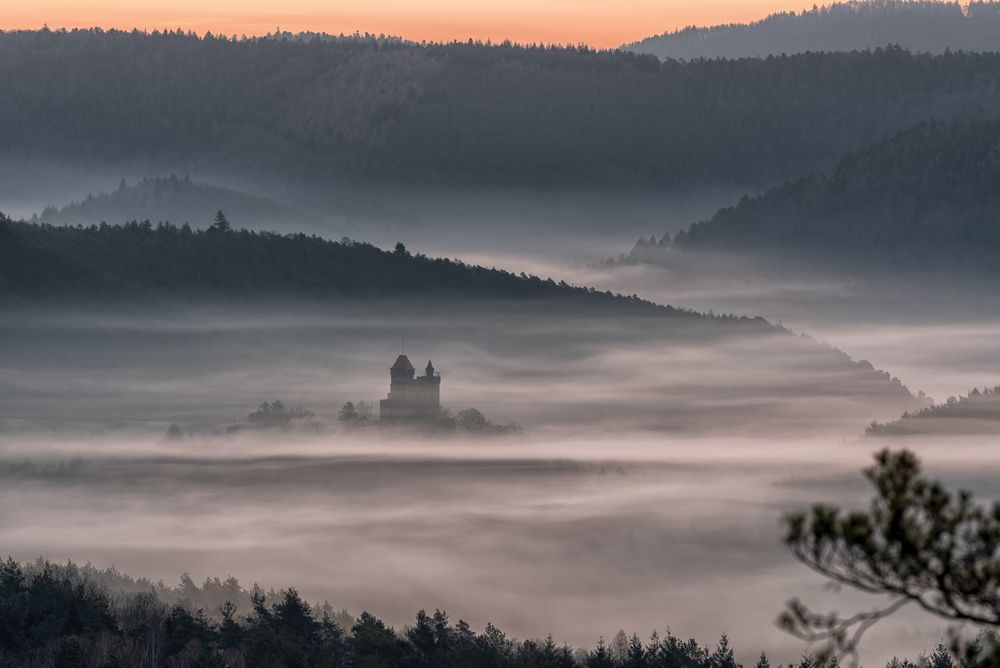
(139, 259)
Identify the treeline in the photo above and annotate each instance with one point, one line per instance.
(179, 199)
(142, 260)
(312, 109)
(922, 26)
(211, 595)
(49, 618)
(978, 405)
(922, 197)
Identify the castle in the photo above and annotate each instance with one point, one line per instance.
(411, 398)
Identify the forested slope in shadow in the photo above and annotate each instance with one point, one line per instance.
(921, 199)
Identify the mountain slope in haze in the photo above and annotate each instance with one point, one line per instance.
(922, 26)
(179, 200)
(332, 111)
(922, 197)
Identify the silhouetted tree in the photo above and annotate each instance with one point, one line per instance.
(221, 223)
(918, 543)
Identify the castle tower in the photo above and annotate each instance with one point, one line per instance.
(411, 398)
(401, 369)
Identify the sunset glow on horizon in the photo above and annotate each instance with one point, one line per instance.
(598, 23)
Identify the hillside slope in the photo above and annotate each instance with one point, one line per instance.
(143, 260)
(924, 26)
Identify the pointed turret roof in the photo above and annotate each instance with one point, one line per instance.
(430, 368)
(402, 364)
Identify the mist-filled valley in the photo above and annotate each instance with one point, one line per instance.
(658, 454)
(659, 448)
(364, 319)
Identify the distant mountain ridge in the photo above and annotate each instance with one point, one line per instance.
(176, 199)
(322, 113)
(923, 26)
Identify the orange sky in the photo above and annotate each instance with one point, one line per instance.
(599, 23)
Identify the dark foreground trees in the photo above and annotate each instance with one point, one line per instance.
(918, 543)
(51, 618)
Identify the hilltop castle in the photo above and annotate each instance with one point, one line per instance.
(411, 398)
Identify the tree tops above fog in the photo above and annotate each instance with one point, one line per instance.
(388, 109)
(926, 26)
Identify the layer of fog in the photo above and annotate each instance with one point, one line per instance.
(658, 457)
(528, 362)
(935, 331)
(577, 537)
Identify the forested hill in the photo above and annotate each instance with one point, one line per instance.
(923, 26)
(329, 110)
(143, 261)
(172, 198)
(925, 196)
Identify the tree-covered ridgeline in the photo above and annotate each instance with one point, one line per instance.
(924, 196)
(922, 26)
(143, 260)
(316, 109)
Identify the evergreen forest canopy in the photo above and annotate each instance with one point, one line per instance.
(923, 197)
(62, 617)
(311, 109)
(922, 26)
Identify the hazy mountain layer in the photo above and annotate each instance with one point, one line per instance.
(924, 197)
(924, 26)
(178, 200)
(325, 111)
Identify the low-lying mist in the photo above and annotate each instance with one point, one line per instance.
(574, 536)
(937, 332)
(533, 362)
(658, 456)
